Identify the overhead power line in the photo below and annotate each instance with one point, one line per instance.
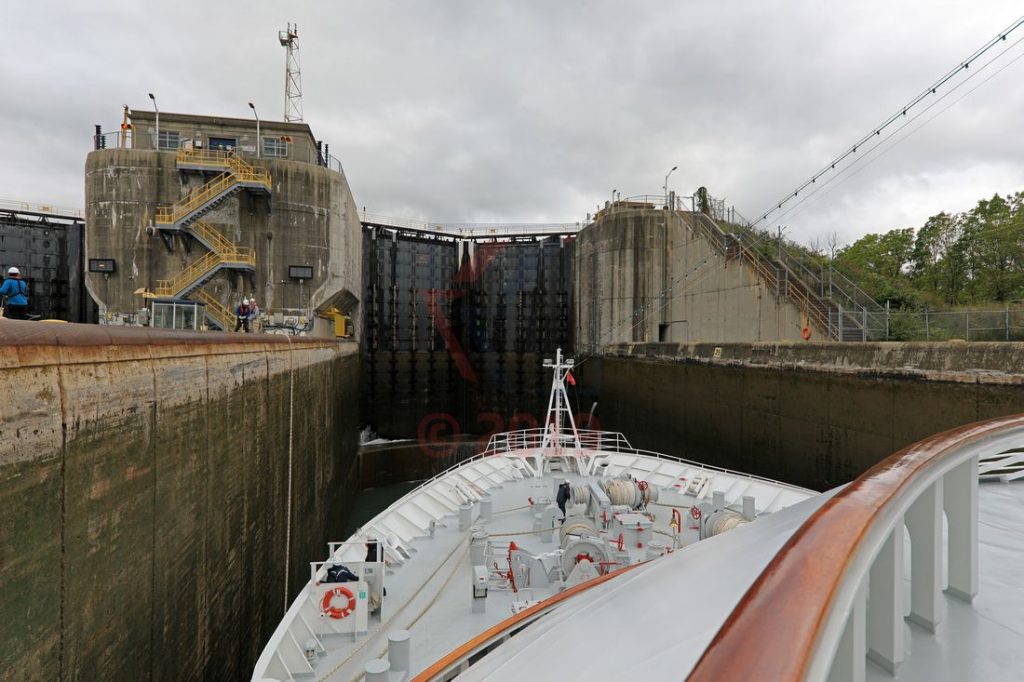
(887, 144)
(877, 130)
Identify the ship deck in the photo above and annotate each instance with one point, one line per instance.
(429, 575)
(439, 613)
(976, 641)
(980, 640)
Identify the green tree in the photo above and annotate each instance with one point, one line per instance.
(939, 258)
(993, 246)
(888, 255)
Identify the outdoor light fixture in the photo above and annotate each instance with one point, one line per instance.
(157, 110)
(259, 140)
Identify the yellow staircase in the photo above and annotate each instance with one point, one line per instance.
(235, 174)
(223, 317)
(199, 271)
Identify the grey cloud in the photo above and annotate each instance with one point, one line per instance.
(535, 111)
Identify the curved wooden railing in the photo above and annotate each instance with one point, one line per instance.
(449, 664)
(809, 617)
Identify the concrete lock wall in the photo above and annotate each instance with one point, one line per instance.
(646, 276)
(144, 495)
(310, 218)
(815, 415)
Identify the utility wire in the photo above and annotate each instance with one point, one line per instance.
(633, 321)
(902, 112)
(819, 192)
(817, 195)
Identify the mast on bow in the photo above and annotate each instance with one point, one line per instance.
(559, 415)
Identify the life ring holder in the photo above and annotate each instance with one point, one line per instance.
(337, 612)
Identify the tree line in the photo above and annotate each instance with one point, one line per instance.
(975, 257)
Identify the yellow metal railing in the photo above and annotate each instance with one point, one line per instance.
(223, 316)
(212, 236)
(198, 269)
(196, 199)
(238, 171)
(203, 157)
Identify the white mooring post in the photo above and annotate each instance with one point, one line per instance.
(465, 517)
(960, 500)
(885, 603)
(376, 670)
(924, 521)
(398, 650)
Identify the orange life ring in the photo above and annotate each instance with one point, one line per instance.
(334, 611)
(621, 542)
(806, 333)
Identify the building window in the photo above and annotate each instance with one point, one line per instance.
(273, 146)
(169, 139)
(223, 143)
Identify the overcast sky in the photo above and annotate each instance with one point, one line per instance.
(535, 111)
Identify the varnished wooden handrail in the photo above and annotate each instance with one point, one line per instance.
(773, 631)
(495, 632)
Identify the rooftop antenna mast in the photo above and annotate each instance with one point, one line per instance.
(292, 75)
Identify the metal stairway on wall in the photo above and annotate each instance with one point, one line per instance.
(834, 305)
(215, 311)
(235, 174)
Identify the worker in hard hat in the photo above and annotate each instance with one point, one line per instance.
(15, 291)
(564, 493)
(242, 315)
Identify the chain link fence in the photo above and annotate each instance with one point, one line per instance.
(968, 325)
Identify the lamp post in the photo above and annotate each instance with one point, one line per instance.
(157, 110)
(665, 186)
(259, 140)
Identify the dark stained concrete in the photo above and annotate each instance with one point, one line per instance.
(144, 495)
(812, 414)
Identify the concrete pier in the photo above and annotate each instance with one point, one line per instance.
(813, 414)
(147, 526)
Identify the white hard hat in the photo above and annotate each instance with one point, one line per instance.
(13, 271)
(566, 481)
(245, 301)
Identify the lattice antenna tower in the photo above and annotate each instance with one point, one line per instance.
(292, 75)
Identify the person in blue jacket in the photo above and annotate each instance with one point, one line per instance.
(15, 290)
(242, 316)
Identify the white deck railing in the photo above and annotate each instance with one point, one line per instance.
(835, 595)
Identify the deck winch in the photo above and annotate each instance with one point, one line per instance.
(716, 518)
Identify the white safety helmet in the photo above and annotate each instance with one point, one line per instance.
(13, 271)
(245, 301)
(566, 481)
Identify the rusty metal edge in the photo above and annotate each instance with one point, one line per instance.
(772, 632)
(26, 344)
